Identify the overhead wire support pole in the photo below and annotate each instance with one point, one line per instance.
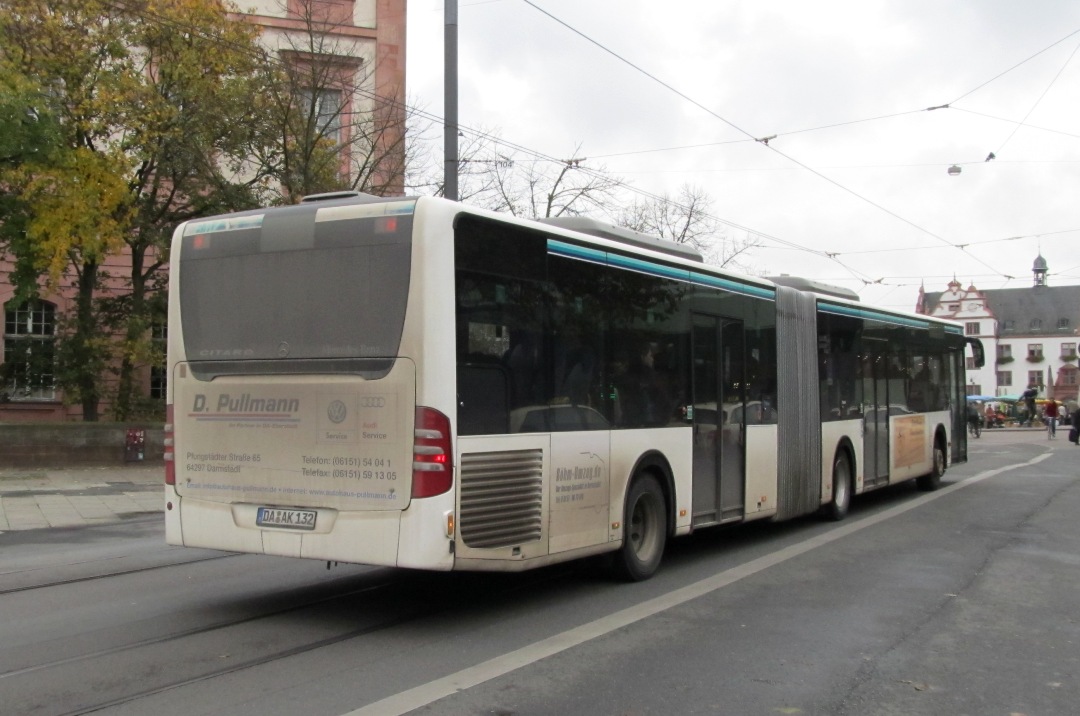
(450, 99)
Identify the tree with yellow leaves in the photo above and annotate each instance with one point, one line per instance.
(154, 104)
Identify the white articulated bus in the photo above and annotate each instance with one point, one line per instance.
(416, 383)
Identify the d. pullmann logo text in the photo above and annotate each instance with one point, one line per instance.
(246, 403)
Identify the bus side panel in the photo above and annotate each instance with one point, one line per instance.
(911, 444)
(761, 471)
(579, 482)
(628, 447)
(504, 485)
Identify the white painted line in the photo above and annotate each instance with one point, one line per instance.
(417, 697)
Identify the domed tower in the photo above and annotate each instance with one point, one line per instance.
(1039, 269)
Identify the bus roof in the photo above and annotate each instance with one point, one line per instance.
(585, 225)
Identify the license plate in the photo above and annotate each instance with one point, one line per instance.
(291, 519)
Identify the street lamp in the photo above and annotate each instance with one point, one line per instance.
(954, 170)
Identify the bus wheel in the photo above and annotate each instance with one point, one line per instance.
(837, 508)
(644, 531)
(932, 480)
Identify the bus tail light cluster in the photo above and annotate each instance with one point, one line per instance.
(433, 463)
(170, 456)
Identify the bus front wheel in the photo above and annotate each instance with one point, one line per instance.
(644, 530)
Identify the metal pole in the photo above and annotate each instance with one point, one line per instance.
(450, 85)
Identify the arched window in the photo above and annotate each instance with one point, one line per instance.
(28, 371)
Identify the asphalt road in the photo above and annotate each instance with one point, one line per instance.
(962, 601)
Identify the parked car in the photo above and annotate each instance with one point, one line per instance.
(556, 418)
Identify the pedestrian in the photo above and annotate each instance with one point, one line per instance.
(1028, 397)
(1051, 416)
(1074, 432)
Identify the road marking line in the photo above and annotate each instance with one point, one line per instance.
(419, 696)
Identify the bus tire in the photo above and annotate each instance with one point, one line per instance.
(932, 480)
(838, 507)
(644, 530)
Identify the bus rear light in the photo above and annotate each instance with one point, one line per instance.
(386, 225)
(169, 454)
(433, 464)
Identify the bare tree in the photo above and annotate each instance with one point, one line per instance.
(540, 189)
(478, 157)
(492, 175)
(334, 122)
(686, 219)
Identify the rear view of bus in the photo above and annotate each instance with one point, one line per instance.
(292, 420)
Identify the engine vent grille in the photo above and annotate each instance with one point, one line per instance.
(501, 497)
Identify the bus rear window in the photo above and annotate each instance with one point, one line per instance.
(296, 284)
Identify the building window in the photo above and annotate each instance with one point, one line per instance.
(972, 329)
(1068, 350)
(954, 306)
(969, 363)
(974, 389)
(1036, 324)
(1035, 351)
(325, 107)
(1063, 323)
(158, 372)
(1008, 325)
(1004, 378)
(1035, 377)
(1068, 377)
(29, 351)
(1004, 352)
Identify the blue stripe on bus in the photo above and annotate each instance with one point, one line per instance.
(214, 226)
(648, 267)
(583, 253)
(734, 286)
(871, 315)
(572, 251)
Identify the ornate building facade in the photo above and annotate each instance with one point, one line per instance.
(1030, 334)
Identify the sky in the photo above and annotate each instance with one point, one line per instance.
(854, 189)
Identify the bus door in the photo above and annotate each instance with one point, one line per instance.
(875, 391)
(719, 406)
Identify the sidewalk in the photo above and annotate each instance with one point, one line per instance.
(32, 498)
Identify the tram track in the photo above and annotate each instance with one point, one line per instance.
(108, 575)
(195, 631)
(410, 605)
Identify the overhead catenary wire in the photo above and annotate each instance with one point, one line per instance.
(765, 141)
(1037, 101)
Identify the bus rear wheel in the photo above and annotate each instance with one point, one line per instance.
(932, 480)
(837, 508)
(644, 531)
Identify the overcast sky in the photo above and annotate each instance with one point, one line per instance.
(877, 193)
